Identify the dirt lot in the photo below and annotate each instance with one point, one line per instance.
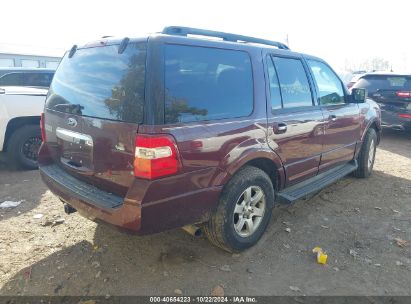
(355, 221)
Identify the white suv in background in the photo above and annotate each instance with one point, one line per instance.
(20, 135)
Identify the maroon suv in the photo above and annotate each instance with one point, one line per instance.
(171, 130)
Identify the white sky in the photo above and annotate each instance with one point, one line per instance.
(338, 31)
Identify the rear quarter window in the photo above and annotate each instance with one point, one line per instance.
(206, 84)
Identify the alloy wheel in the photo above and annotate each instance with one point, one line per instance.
(371, 154)
(249, 211)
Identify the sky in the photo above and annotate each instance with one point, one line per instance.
(344, 33)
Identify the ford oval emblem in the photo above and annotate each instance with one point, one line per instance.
(72, 122)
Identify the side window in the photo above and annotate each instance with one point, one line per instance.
(12, 79)
(329, 85)
(294, 85)
(275, 94)
(52, 64)
(28, 63)
(37, 79)
(6, 62)
(205, 83)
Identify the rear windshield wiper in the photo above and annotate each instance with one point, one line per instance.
(72, 51)
(69, 107)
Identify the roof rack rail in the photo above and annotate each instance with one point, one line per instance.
(184, 31)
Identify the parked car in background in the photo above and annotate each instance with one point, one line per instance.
(392, 92)
(349, 78)
(28, 77)
(169, 130)
(20, 136)
(353, 80)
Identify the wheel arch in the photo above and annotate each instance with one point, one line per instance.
(374, 124)
(16, 123)
(267, 161)
(269, 167)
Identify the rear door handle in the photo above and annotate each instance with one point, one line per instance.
(332, 117)
(279, 128)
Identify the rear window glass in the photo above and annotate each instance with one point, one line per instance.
(384, 82)
(206, 84)
(100, 82)
(397, 81)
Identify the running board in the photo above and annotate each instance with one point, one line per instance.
(315, 184)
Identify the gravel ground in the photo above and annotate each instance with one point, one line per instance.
(357, 222)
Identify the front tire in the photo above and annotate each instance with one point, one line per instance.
(243, 212)
(23, 146)
(366, 157)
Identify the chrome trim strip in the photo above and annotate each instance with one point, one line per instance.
(74, 137)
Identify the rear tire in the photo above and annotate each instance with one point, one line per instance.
(243, 212)
(23, 145)
(366, 157)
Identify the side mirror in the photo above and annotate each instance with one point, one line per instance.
(358, 95)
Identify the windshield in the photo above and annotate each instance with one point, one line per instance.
(100, 82)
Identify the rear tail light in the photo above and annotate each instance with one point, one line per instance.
(42, 128)
(403, 94)
(155, 156)
(404, 115)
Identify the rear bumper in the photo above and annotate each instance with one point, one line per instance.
(90, 201)
(391, 119)
(135, 212)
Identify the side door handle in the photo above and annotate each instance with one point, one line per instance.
(279, 128)
(332, 117)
